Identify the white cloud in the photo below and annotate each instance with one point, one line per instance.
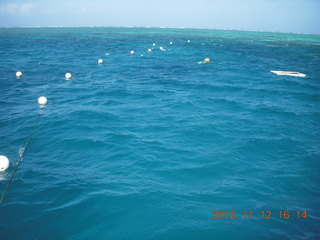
(17, 9)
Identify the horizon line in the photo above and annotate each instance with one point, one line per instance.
(162, 27)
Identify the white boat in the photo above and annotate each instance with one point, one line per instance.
(289, 73)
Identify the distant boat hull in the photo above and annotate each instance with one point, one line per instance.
(289, 73)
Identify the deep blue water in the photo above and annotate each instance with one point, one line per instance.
(147, 147)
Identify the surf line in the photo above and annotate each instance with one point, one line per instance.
(20, 160)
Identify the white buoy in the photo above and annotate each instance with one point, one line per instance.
(100, 61)
(189, 41)
(68, 76)
(42, 100)
(162, 49)
(18, 74)
(170, 43)
(149, 50)
(131, 52)
(153, 44)
(4, 163)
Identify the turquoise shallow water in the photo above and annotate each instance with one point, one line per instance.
(147, 147)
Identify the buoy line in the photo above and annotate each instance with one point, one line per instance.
(43, 101)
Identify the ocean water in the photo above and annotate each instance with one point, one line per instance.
(148, 147)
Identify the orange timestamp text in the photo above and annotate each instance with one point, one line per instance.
(282, 214)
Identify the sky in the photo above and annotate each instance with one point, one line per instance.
(298, 16)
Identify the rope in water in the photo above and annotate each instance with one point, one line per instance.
(20, 160)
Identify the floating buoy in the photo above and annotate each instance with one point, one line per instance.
(206, 60)
(18, 74)
(131, 52)
(68, 76)
(189, 41)
(162, 49)
(100, 61)
(42, 100)
(4, 163)
(170, 43)
(149, 50)
(153, 44)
